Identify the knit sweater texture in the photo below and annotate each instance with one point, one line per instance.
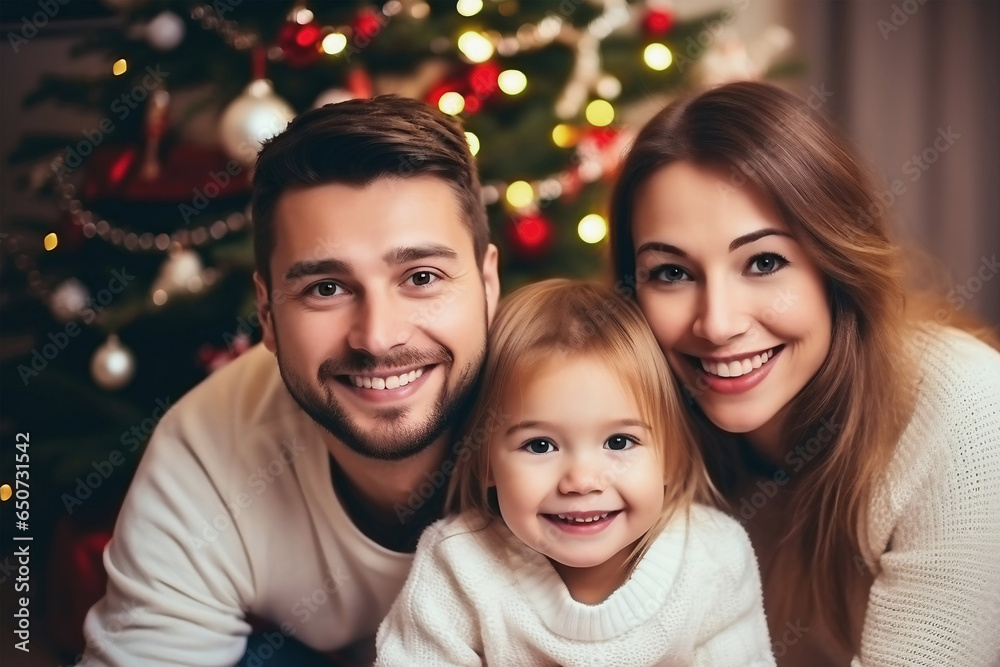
(478, 596)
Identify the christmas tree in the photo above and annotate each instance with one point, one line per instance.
(140, 283)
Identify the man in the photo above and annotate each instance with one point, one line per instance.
(279, 496)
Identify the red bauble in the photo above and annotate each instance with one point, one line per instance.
(531, 235)
(483, 79)
(367, 24)
(658, 22)
(300, 44)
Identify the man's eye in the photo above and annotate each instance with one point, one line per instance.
(619, 442)
(539, 446)
(422, 278)
(325, 288)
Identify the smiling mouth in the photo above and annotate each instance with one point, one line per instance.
(734, 368)
(582, 518)
(383, 381)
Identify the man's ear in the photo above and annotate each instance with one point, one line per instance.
(491, 280)
(264, 313)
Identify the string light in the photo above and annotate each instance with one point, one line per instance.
(600, 113)
(51, 241)
(512, 81)
(473, 143)
(520, 194)
(452, 103)
(303, 16)
(334, 43)
(563, 135)
(475, 46)
(657, 57)
(119, 67)
(469, 7)
(592, 228)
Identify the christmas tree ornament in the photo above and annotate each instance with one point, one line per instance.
(530, 235)
(180, 273)
(154, 127)
(658, 21)
(251, 119)
(68, 300)
(300, 43)
(112, 365)
(166, 31)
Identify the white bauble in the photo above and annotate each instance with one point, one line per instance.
(166, 31)
(179, 273)
(68, 300)
(251, 119)
(112, 365)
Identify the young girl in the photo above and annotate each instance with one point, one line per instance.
(859, 442)
(581, 540)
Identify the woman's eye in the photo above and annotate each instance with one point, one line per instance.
(620, 442)
(539, 446)
(669, 273)
(326, 288)
(422, 278)
(767, 263)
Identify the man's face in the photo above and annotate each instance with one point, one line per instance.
(377, 311)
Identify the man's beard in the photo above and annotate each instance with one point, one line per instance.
(396, 442)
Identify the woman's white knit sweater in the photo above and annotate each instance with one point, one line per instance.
(480, 597)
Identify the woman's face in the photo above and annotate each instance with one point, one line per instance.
(739, 309)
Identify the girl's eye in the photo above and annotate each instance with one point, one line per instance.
(669, 273)
(539, 446)
(423, 278)
(766, 263)
(620, 441)
(325, 289)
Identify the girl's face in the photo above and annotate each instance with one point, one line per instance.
(575, 465)
(739, 309)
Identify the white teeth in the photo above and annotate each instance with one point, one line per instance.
(581, 520)
(735, 369)
(389, 382)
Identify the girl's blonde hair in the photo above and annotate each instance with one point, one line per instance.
(559, 316)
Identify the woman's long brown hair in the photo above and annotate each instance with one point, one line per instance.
(772, 141)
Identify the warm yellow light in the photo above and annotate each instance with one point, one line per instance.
(600, 113)
(563, 135)
(592, 229)
(160, 297)
(512, 81)
(473, 143)
(520, 194)
(469, 7)
(334, 43)
(119, 67)
(476, 47)
(451, 103)
(658, 57)
(51, 241)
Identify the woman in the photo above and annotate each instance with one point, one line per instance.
(859, 444)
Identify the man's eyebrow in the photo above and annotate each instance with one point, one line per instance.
(404, 255)
(316, 267)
